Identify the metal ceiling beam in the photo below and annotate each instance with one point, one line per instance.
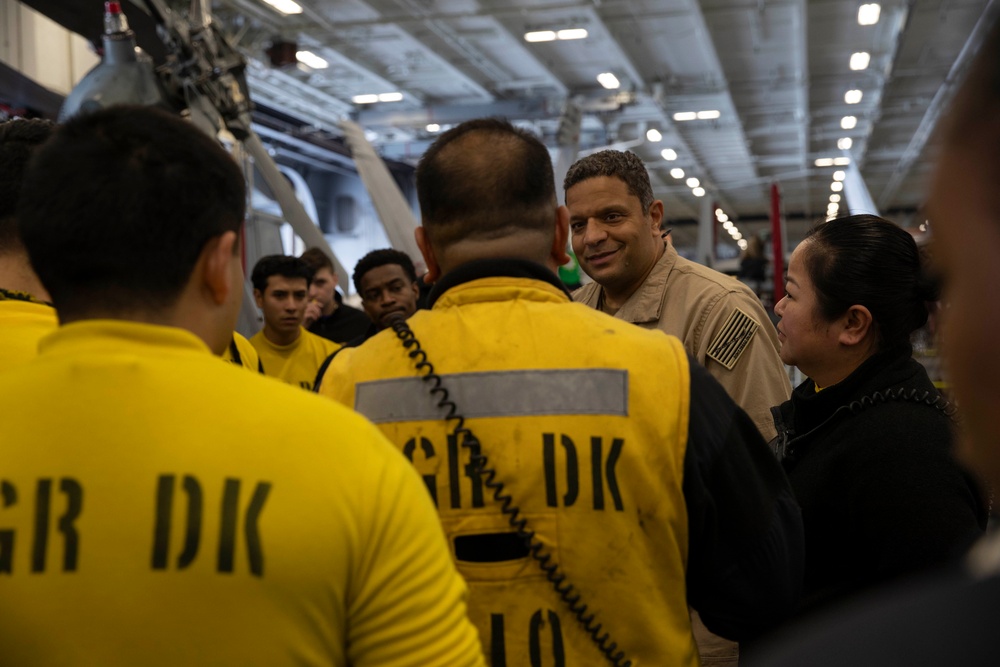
(802, 92)
(937, 106)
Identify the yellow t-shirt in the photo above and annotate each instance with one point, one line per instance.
(23, 322)
(248, 358)
(297, 363)
(174, 510)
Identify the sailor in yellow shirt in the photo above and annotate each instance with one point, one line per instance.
(640, 484)
(287, 351)
(158, 507)
(25, 314)
(242, 353)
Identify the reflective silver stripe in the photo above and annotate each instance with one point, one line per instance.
(588, 391)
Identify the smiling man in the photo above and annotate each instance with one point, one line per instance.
(640, 278)
(287, 351)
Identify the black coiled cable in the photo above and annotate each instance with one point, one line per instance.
(929, 398)
(480, 464)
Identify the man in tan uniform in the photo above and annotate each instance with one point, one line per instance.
(640, 278)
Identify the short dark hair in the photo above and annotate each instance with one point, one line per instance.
(485, 178)
(317, 259)
(18, 140)
(279, 265)
(377, 258)
(625, 166)
(869, 261)
(118, 205)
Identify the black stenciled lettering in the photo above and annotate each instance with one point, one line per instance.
(498, 651)
(428, 449)
(535, 639)
(161, 528)
(74, 497)
(192, 536)
(595, 472)
(609, 470)
(43, 498)
(164, 517)
(8, 496)
(473, 474)
(598, 472)
(227, 528)
(455, 468)
(572, 470)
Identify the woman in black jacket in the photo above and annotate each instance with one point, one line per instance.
(866, 439)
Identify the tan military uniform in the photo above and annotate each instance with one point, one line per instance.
(721, 323)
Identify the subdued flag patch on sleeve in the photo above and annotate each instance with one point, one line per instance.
(733, 339)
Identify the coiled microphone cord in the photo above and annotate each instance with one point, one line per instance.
(480, 464)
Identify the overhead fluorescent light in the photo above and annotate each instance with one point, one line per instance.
(737, 236)
(708, 115)
(669, 154)
(653, 135)
(742, 243)
(849, 122)
(608, 80)
(853, 96)
(572, 33)
(727, 225)
(836, 186)
(868, 14)
(824, 162)
(839, 175)
(311, 59)
(285, 6)
(723, 218)
(685, 115)
(698, 192)
(433, 127)
(834, 198)
(719, 212)
(365, 99)
(677, 173)
(693, 182)
(860, 60)
(390, 97)
(841, 161)
(540, 36)
(845, 143)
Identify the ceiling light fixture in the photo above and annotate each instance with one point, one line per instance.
(653, 135)
(390, 97)
(848, 122)
(693, 182)
(433, 127)
(727, 225)
(845, 143)
(834, 198)
(698, 192)
(365, 99)
(719, 212)
(723, 218)
(824, 162)
(711, 114)
(540, 36)
(310, 59)
(685, 115)
(860, 60)
(669, 154)
(742, 243)
(836, 186)
(572, 33)
(853, 96)
(677, 173)
(839, 175)
(841, 161)
(285, 6)
(608, 80)
(868, 14)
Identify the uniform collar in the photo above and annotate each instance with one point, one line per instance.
(14, 295)
(103, 336)
(646, 302)
(494, 268)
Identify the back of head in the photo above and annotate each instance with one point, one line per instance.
(377, 258)
(280, 265)
(317, 259)
(118, 206)
(485, 179)
(866, 260)
(18, 140)
(625, 166)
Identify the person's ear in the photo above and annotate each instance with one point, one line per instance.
(656, 217)
(559, 239)
(217, 273)
(433, 268)
(857, 325)
(258, 297)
